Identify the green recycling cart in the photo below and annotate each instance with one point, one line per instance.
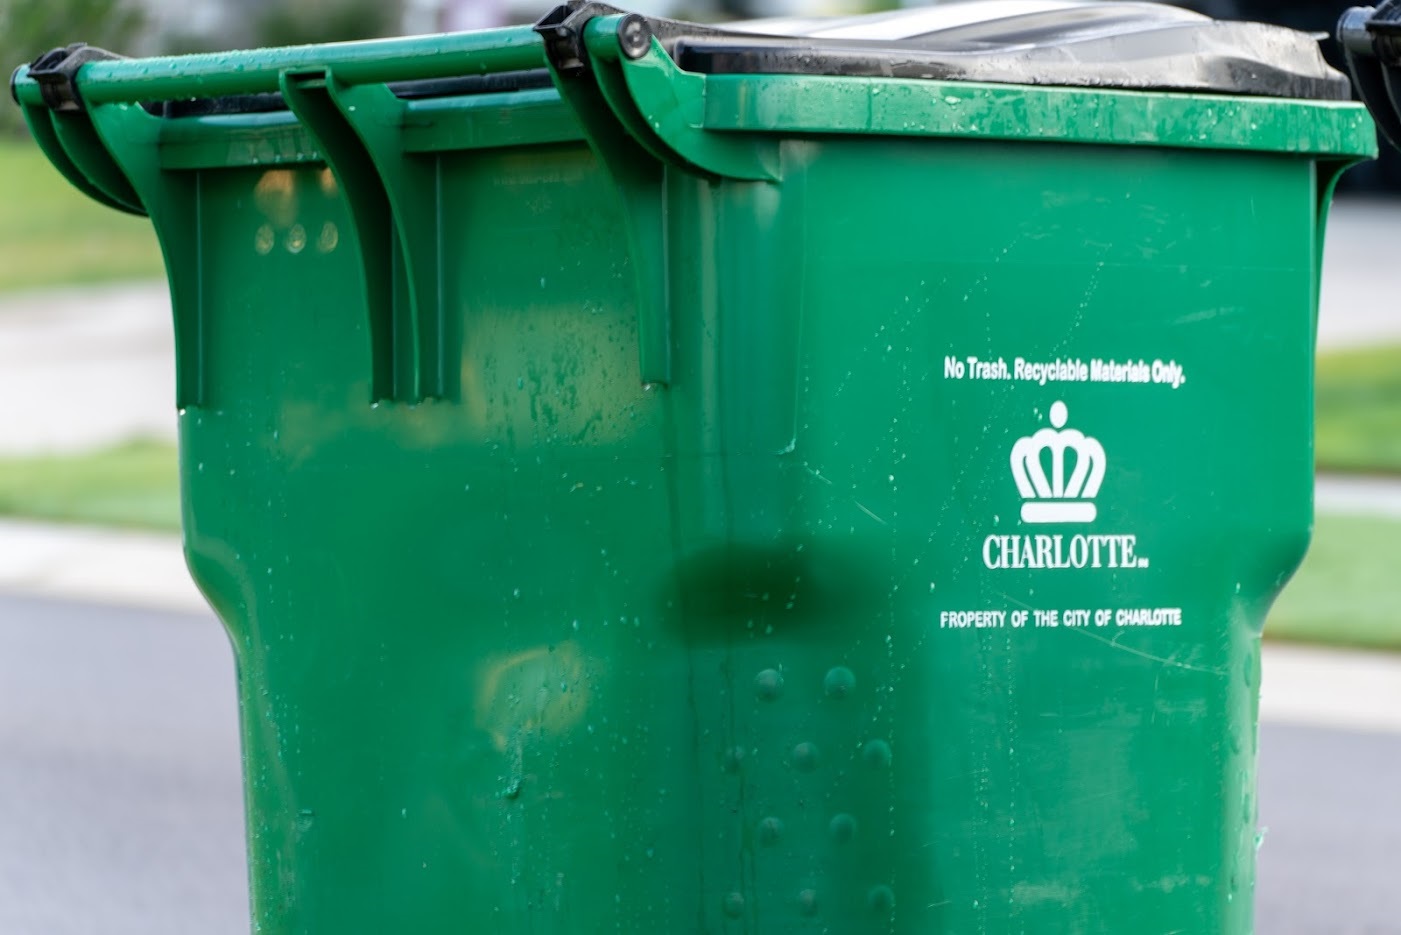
(800, 477)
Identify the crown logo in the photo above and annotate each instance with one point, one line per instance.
(1061, 497)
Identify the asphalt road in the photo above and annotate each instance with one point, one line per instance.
(120, 808)
(1330, 807)
(120, 805)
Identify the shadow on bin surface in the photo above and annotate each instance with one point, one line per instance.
(810, 483)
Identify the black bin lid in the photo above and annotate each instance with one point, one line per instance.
(1071, 43)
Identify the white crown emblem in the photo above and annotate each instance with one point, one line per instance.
(1058, 498)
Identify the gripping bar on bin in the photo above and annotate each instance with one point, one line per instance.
(1371, 39)
(257, 71)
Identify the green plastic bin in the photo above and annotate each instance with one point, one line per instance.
(809, 478)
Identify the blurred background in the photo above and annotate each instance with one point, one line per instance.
(120, 803)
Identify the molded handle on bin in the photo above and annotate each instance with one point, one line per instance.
(1371, 39)
(78, 102)
(610, 67)
(643, 116)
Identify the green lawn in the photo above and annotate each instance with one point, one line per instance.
(1359, 410)
(1348, 592)
(135, 484)
(52, 235)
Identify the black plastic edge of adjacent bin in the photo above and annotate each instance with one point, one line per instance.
(1371, 41)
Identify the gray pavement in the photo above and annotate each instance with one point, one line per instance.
(1330, 861)
(120, 800)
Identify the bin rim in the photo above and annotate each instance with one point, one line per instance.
(722, 109)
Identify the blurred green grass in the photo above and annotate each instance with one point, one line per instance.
(53, 235)
(1359, 410)
(132, 485)
(1348, 592)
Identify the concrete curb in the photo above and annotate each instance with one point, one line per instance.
(83, 563)
(1331, 688)
(1361, 495)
